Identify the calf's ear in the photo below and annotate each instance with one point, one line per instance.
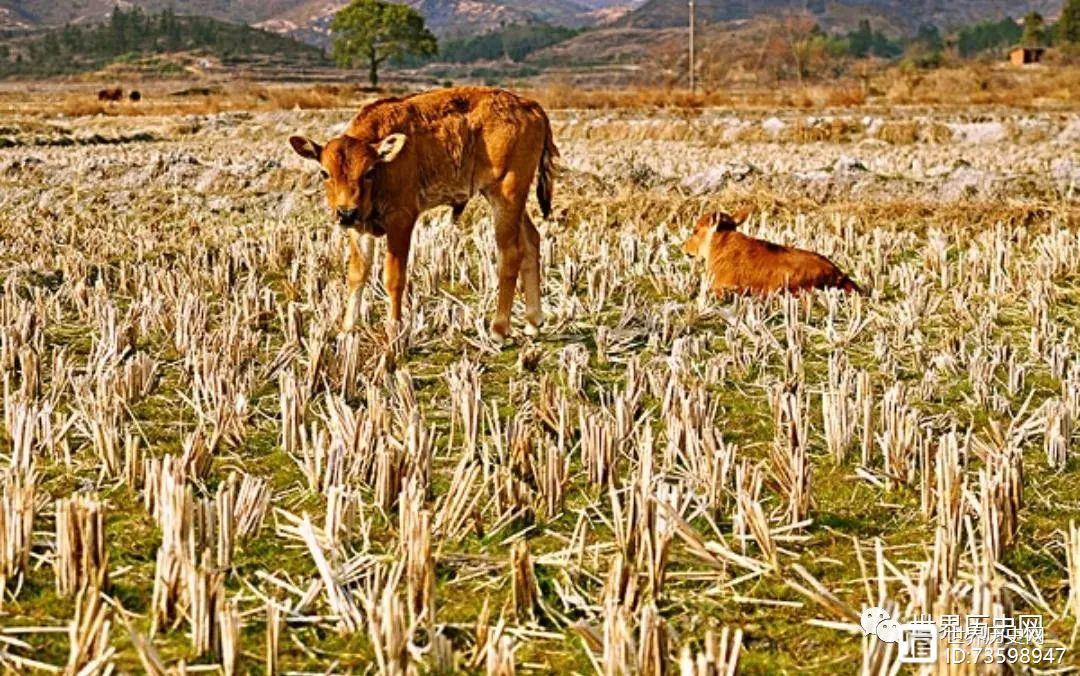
(741, 215)
(389, 148)
(305, 147)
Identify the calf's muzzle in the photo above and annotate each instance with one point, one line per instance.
(348, 217)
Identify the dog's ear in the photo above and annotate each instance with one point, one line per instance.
(724, 222)
(741, 215)
(707, 220)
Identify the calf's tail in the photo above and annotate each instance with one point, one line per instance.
(545, 183)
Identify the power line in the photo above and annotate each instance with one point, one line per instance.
(692, 82)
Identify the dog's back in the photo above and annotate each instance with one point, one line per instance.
(742, 264)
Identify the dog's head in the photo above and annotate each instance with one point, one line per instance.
(718, 221)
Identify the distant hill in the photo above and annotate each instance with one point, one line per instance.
(469, 16)
(901, 16)
(609, 46)
(59, 12)
(131, 35)
(309, 20)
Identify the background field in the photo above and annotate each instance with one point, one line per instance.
(658, 466)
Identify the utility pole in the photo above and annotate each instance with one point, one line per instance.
(693, 84)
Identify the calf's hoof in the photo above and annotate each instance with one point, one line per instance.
(394, 329)
(533, 323)
(499, 332)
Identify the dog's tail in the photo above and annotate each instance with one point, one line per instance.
(545, 183)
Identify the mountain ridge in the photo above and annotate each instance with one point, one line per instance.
(902, 16)
(310, 19)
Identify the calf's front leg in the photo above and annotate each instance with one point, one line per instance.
(359, 253)
(394, 273)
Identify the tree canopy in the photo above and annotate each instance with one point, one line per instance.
(131, 34)
(513, 42)
(867, 42)
(370, 32)
(1034, 30)
(987, 35)
(1068, 26)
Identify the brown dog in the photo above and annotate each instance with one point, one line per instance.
(741, 264)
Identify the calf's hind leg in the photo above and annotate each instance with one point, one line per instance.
(508, 204)
(530, 275)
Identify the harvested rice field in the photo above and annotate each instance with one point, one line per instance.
(198, 473)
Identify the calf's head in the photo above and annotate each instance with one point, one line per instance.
(698, 242)
(348, 169)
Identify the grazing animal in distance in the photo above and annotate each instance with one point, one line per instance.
(402, 156)
(112, 94)
(135, 96)
(738, 263)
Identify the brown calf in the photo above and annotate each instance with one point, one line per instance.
(741, 264)
(400, 157)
